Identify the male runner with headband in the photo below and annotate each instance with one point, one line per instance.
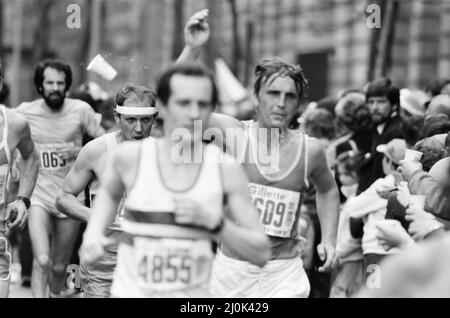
(174, 207)
(15, 134)
(135, 114)
(57, 126)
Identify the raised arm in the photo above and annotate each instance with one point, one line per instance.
(196, 34)
(327, 199)
(76, 181)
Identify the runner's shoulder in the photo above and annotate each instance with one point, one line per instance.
(17, 122)
(77, 104)
(29, 107)
(94, 149)
(224, 121)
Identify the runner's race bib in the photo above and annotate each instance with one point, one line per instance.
(49, 156)
(172, 264)
(276, 207)
(3, 177)
(117, 223)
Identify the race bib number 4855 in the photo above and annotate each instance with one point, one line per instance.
(277, 208)
(172, 264)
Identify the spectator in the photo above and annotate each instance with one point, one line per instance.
(413, 129)
(420, 182)
(439, 105)
(433, 151)
(436, 125)
(383, 99)
(348, 276)
(370, 206)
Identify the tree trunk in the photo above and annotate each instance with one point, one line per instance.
(17, 53)
(236, 53)
(1, 32)
(43, 31)
(178, 30)
(384, 57)
(374, 40)
(95, 28)
(83, 58)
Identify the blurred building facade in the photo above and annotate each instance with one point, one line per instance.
(329, 38)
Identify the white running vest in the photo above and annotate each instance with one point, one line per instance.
(162, 256)
(4, 169)
(111, 145)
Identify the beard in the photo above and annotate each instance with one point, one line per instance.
(55, 100)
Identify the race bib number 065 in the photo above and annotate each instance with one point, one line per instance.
(49, 157)
(172, 264)
(277, 208)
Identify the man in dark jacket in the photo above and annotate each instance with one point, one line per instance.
(383, 99)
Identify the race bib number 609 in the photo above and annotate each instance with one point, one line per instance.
(277, 208)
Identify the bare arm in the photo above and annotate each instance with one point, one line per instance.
(76, 180)
(20, 128)
(245, 235)
(327, 199)
(107, 201)
(196, 34)
(30, 158)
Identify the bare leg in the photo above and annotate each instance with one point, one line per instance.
(39, 223)
(66, 232)
(5, 262)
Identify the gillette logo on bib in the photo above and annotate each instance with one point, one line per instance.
(277, 208)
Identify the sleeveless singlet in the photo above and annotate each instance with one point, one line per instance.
(5, 155)
(162, 256)
(277, 199)
(111, 145)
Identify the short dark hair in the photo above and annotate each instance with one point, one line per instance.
(55, 64)
(141, 92)
(435, 125)
(319, 123)
(435, 86)
(433, 151)
(383, 87)
(356, 114)
(163, 89)
(413, 129)
(266, 68)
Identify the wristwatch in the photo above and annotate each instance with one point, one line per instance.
(25, 200)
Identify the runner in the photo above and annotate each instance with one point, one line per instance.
(293, 163)
(57, 126)
(135, 114)
(15, 134)
(174, 207)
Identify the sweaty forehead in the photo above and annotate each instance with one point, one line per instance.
(276, 81)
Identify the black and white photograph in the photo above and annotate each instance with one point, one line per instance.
(229, 155)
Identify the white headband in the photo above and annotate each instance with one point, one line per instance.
(137, 111)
